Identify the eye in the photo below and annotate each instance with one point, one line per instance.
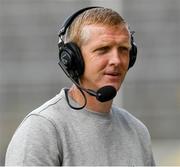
(102, 50)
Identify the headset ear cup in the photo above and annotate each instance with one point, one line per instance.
(71, 58)
(132, 53)
(77, 57)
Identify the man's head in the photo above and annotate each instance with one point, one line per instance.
(95, 32)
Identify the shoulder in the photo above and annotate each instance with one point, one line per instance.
(45, 118)
(39, 135)
(42, 119)
(52, 109)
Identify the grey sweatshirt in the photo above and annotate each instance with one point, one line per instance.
(56, 135)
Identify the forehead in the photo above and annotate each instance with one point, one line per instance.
(95, 31)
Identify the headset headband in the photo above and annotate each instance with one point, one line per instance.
(70, 19)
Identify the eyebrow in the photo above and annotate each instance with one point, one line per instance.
(106, 44)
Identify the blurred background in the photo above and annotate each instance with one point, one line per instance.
(29, 73)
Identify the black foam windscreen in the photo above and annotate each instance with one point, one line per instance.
(106, 93)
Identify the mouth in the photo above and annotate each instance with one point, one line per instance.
(113, 75)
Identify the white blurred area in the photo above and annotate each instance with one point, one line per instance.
(29, 73)
(166, 152)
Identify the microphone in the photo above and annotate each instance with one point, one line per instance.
(106, 93)
(103, 94)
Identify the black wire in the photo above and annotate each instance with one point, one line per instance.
(76, 108)
(75, 81)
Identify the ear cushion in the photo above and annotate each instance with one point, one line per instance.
(133, 53)
(72, 58)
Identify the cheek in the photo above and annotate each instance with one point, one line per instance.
(125, 63)
(95, 65)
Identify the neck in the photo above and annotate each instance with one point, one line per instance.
(92, 102)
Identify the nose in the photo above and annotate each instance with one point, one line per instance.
(119, 58)
(115, 58)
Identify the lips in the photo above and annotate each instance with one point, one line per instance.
(112, 73)
(112, 76)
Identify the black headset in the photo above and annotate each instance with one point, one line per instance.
(70, 57)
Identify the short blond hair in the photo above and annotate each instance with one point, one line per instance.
(102, 16)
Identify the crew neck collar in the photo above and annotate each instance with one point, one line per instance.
(85, 109)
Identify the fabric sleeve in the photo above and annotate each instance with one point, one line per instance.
(145, 140)
(34, 143)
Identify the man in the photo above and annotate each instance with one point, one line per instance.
(75, 127)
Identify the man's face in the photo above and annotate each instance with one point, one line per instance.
(106, 56)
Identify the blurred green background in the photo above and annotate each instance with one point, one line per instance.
(29, 73)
